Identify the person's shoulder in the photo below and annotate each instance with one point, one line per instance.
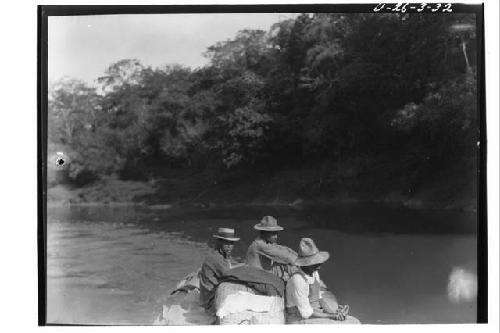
(256, 243)
(296, 279)
(212, 256)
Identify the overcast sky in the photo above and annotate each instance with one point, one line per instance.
(83, 46)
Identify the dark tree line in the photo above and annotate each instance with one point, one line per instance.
(321, 88)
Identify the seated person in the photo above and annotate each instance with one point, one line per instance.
(304, 303)
(266, 254)
(216, 264)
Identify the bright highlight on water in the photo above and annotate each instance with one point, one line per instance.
(462, 286)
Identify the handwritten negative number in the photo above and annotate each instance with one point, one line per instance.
(379, 7)
(402, 7)
(422, 7)
(436, 9)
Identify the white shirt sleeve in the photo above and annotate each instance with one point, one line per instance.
(297, 292)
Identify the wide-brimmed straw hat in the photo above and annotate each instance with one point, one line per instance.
(227, 234)
(309, 254)
(268, 223)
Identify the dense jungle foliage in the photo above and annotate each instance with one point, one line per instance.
(387, 98)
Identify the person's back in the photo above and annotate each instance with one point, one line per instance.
(302, 287)
(212, 270)
(304, 303)
(261, 254)
(264, 252)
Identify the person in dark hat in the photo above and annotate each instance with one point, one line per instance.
(304, 303)
(265, 253)
(215, 265)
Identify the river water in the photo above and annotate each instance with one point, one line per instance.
(116, 265)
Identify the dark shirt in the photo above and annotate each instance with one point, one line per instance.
(211, 272)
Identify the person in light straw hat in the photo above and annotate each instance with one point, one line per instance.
(304, 301)
(215, 265)
(265, 253)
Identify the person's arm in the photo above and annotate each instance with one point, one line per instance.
(306, 311)
(207, 275)
(278, 253)
(327, 300)
(319, 314)
(235, 264)
(334, 316)
(329, 303)
(221, 266)
(321, 283)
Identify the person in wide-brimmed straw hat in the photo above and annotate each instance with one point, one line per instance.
(304, 301)
(215, 265)
(309, 254)
(265, 252)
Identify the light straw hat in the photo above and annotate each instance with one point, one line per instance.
(227, 234)
(309, 254)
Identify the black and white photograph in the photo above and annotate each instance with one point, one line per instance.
(220, 165)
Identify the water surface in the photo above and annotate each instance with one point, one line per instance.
(116, 265)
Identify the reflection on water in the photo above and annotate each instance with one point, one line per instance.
(116, 265)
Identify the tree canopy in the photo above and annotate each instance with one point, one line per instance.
(320, 87)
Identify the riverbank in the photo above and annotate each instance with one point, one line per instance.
(284, 189)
